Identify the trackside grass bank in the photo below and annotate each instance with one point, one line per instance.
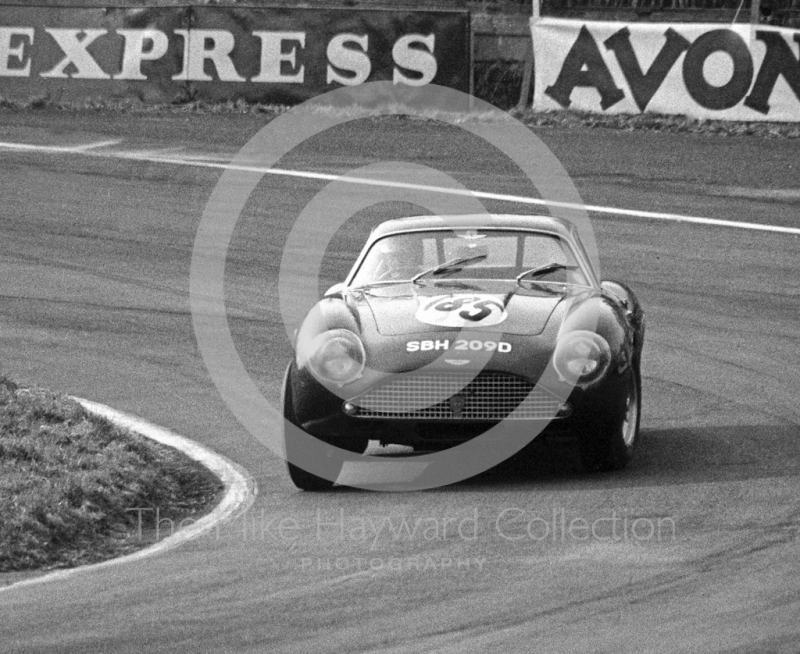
(558, 119)
(72, 485)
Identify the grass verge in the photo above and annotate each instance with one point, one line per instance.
(566, 119)
(72, 485)
(658, 123)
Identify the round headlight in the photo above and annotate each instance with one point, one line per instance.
(581, 357)
(336, 356)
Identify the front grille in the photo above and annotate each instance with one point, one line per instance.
(451, 396)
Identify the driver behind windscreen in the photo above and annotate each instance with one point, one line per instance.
(397, 260)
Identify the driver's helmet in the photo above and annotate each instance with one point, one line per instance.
(398, 260)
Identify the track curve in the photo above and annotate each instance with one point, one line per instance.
(94, 266)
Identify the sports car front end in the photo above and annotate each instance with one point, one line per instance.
(439, 358)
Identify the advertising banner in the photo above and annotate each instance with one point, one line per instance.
(266, 54)
(704, 71)
(71, 53)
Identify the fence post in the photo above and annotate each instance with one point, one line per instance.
(755, 12)
(527, 77)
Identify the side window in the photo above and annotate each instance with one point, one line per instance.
(541, 250)
(429, 254)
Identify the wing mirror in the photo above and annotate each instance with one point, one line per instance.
(335, 289)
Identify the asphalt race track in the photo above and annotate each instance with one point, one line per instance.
(704, 555)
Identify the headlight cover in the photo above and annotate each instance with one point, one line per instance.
(336, 356)
(582, 356)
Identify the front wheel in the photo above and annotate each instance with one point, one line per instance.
(314, 451)
(610, 444)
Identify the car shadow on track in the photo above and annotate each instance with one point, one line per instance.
(665, 456)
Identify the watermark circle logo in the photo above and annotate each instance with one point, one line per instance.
(314, 228)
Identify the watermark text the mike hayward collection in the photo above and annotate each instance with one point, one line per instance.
(511, 524)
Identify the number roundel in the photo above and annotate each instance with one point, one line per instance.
(462, 311)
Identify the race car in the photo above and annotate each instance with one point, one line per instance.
(448, 328)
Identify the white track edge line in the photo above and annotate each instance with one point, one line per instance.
(73, 149)
(149, 157)
(240, 492)
(653, 215)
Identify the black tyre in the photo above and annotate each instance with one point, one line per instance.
(610, 444)
(321, 453)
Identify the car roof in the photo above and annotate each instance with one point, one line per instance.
(474, 221)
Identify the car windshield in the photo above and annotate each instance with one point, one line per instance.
(443, 257)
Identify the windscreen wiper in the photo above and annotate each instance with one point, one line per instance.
(454, 265)
(542, 270)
